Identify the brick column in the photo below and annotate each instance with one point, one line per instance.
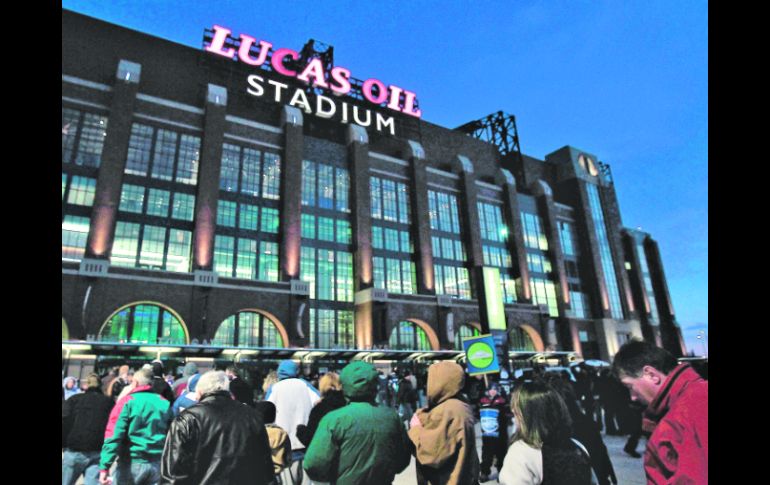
(108, 185)
(515, 242)
(291, 193)
(426, 283)
(208, 178)
(358, 160)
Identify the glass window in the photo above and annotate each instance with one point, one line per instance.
(250, 173)
(184, 206)
(248, 217)
(226, 213)
(342, 190)
(325, 186)
(605, 253)
(153, 243)
(89, 150)
(270, 220)
(230, 167)
(271, 177)
(189, 156)
(70, 122)
(82, 191)
(344, 232)
(165, 152)
(325, 229)
(132, 198)
(308, 183)
(308, 226)
(247, 259)
(376, 197)
(252, 330)
(179, 247)
(223, 255)
(139, 149)
(145, 324)
(126, 244)
(268, 261)
(408, 336)
(158, 202)
(74, 234)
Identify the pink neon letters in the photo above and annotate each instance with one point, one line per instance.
(339, 81)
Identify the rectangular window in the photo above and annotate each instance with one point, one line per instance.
(226, 213)
(126, 244)
(325, 279)
(394, 275)
(153, 244)
(271, 177)
(248, 216)
(82, 191)
(308, 183)
(308, 226)
(342, 190)
(325, 186)
(158, 202)
(376, 197)
(389, 203)
(139, 149)
(89, 151)
(344, 232)
(246, 266)
(230, 167)
(403, 203)
(377, 239)
(250, 172)
(326, 229)
(307, 268)
(379, 272)
(189, 156)
(268, 261)
(74, 234)
(223, 255)
(70, 122)
(270, 220)
(179, 244)
(165, 152)
(391, 239)
(183, 206)
(132, 198)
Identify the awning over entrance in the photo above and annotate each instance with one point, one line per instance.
(93, 349)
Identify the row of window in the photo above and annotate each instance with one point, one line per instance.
(394, 275)
(325, 186)
(151, 247)
(78, 190)
(247, 216)
(163, 154)
(326, 229)
(250, 172)
(389, 200)
(446, 248)
(605, 254)
(245, 258)
(82, 137)
(157, 202)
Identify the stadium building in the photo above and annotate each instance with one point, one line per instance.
(251, 201)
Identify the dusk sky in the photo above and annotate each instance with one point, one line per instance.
(626, 81)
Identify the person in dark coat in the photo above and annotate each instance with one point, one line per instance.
(493, 410)
(331, 399)
(239, 388)
(159, 383)
(586, 431)
(84, 417)
(218, 441)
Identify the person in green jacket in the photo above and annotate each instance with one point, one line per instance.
(361, 442)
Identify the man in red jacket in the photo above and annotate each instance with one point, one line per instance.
(676, 414)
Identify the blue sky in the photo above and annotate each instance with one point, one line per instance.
(626, 81)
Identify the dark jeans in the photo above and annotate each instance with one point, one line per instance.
(127, 473)
(492, 448)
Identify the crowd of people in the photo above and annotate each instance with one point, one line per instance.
(360, 426)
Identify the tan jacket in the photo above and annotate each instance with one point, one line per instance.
(280, 447)
(446, 442)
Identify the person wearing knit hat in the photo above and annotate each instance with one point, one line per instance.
(360, 442)
(294, 398)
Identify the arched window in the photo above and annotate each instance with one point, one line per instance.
(248, 329)
(408, 336)
(144, 323)
(465, 331)
(520, 340)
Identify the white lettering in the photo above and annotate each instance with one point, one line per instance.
(344, 112)
(278, 87)
(382, 123)
(300, 99)
(319, 111)
(358, 121)
(254, 81)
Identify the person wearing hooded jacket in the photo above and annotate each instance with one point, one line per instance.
(181, 385)
(187, 399)
(70, 386)
(443, 433)
(294, 399)
(360, 443)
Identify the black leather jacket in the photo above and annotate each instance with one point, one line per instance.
(217, 441)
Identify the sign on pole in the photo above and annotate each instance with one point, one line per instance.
(480, 355)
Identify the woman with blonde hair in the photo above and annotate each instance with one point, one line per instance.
(542, 450)
(331, 399)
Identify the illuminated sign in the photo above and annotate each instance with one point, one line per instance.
(337, 81)
(480, 355)
(493, 298)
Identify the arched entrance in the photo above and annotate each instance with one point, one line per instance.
(413, 334)
(251, 328)
(145, 322)
(466, 330)
(524, 337)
